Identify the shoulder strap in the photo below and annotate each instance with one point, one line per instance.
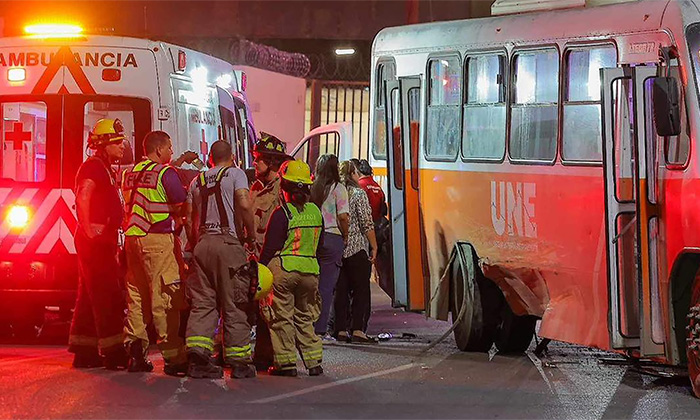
(216, 190)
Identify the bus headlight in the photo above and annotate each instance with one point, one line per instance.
(18, 217)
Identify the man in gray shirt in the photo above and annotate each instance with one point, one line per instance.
(218, 211)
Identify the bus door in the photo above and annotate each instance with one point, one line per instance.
(404, 103)
(630, 163)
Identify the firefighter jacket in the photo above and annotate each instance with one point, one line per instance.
(303, 234)
(145, 197)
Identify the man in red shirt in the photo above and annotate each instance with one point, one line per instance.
(377, 200)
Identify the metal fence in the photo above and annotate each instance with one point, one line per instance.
(333, 101)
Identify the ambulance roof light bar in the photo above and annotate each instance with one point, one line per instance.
(53, 30)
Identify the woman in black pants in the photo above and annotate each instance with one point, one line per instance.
(352, 292)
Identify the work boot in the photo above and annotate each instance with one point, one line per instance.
(176, 369)
(116, 358)
(275, 371)
(86, 359)
(138, 362)
(315, 371)
(262, 366)
(202, 367)
(242, 370)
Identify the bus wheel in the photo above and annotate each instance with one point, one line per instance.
(692, 347)
(476, 330)
(515, 332)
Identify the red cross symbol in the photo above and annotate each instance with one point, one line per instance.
(17, 136)
(203, 146)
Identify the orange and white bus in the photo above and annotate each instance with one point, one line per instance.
(541, 165)
(53, 87)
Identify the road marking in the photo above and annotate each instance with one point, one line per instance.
(333, 384)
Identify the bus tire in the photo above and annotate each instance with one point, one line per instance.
(515, 332)
(692, 346)
(476, 330)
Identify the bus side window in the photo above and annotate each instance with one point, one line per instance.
(443, 116)
(677, 148)
(484, 126)
(582, 138)
(385, 71)
(534, 114)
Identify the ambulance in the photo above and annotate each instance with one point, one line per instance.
(55, 83)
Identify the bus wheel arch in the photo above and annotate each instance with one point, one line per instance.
(685, 308)
(475, 302)
(500, 307)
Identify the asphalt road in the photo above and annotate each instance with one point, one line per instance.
(389, 380)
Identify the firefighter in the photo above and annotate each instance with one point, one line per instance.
(154, 195)
(223, 280)
(269, 153)
(293, 236)
(98, 320)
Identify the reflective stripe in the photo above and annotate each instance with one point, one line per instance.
(238, 351)
(150, 206)
(297, 242)
(82, 340)
(108, 342)
(312, 355)
(200, 341)
(282, 359)
(170, 353)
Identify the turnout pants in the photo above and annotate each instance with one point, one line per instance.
(295, 307)
(98, 320)
(220, 284)
(154, 293)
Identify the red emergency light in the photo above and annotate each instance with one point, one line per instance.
(181, 60)
(111, 75)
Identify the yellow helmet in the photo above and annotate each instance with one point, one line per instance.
(296, 171)
(264, 282)
(105, 132)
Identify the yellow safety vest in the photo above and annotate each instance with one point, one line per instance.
(303, 234)
(145, 197)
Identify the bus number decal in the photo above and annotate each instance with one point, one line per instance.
(513, 208)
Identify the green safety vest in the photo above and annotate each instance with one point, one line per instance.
(145, 196)
(303, 235)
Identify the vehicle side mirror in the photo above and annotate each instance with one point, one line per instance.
(667, 110)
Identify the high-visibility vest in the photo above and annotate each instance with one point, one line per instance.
(145, 197)
(303, 234)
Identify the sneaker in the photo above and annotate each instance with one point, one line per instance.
(315, 371)
(242, 370)
(87, 360)
(358, 337)
(343, 337)
(275, 371)
(178, 369)
(327, 337)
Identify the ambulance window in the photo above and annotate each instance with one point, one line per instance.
(23, 141)
(95, 111)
